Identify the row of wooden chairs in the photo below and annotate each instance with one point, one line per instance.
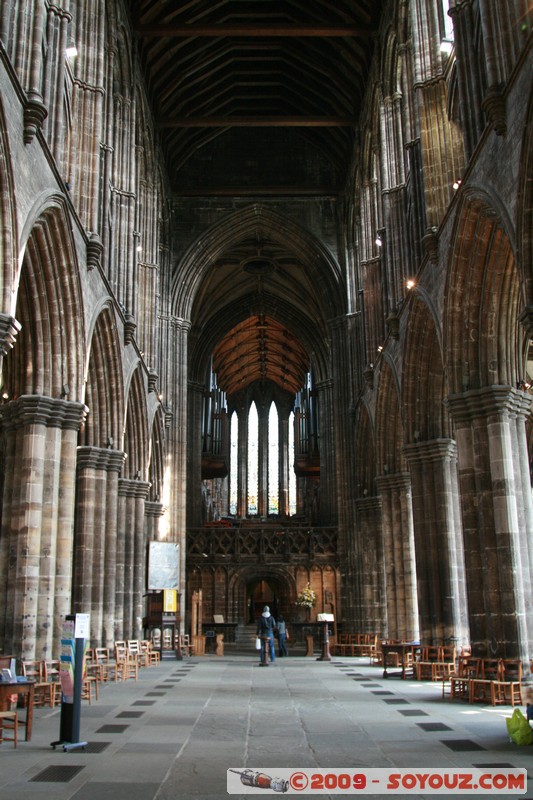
(355, 644)
(497, 681)
(101, 666)
(123, 661)
(435, 662)
(45, 675)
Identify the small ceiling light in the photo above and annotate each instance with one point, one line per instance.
(410, 283)
(456, 184)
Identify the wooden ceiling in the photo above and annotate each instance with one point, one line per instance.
(256, 96)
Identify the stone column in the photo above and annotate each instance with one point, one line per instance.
(194, 453)
(368, 575)
(440, 566)
(96, 539)
(329, 444)
(135, 493)
(283, 433)
(262, 472)
(153, 511)
(496, 508)
(242, 464)
(38, 520)
(399, 556)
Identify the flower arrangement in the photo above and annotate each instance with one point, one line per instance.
(306, 598)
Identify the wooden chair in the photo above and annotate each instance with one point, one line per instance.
(152, 657)
(44, 691)
(466, 670)
(52, 676)
(490, 669)
(9, 722)
(134, 651)
(126, 666)
(185, 646)
(425, 666)
(508, 689)
(106, 666)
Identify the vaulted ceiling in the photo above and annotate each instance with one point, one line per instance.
(261, 99)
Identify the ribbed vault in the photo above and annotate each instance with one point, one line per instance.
(264, 293)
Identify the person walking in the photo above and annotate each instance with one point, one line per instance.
(282, 636)
(266, 626)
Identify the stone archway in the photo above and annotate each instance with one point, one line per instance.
(254, 587)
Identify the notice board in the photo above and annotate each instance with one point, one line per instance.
(163, 565)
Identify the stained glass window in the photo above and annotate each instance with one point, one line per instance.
(234, 463)
(253, 460)
(273, 460)
(292, 475)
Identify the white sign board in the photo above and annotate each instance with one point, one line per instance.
(82, 626)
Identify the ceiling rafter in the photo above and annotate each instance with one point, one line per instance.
(262, 31)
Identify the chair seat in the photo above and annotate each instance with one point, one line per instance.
(9, 722)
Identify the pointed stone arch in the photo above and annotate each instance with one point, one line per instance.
(485, 348)
(258, 220)
(424, 386)
(8, 231)
(388, 422)
(136, 439)
(365, 454)
(49, 357)
(105, 385)
(483, 340)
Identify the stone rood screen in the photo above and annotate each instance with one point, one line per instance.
(163, 565)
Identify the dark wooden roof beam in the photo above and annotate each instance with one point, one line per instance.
(257, 122)
(263, 31)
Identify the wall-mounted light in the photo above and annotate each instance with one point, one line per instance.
(446, 46)
(380, 348)
(71, 50)
(379, 240)
(410, 284)
(456, 184)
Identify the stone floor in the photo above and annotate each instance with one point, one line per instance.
(177, 730)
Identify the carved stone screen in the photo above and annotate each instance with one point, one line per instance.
(163, 565)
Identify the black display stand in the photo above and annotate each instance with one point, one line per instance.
(69, 727)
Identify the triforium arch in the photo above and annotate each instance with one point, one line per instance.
(41, 415)
(489, 407)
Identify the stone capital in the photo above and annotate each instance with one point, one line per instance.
(98, 458)
(9, 330)
(435, 450)
(131, 487)
(399, 480)
(35, 409)
(489, 401)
